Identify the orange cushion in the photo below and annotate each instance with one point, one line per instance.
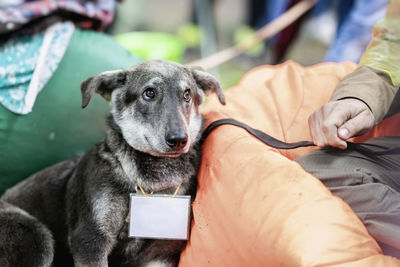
(257, 207)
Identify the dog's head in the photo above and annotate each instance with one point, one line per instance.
(155, 104)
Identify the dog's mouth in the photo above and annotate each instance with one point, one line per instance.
(174, 155)
(167, 154)
(166, 151)
(173, 152)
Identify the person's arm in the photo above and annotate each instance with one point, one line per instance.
(364, 98)
(377, 80)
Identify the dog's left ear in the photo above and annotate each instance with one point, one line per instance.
(103, 84)
(208, 83)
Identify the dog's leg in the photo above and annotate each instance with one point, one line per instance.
(90, 249)
(24, 241)
(93, 238)
(78, 263)
(94, 228)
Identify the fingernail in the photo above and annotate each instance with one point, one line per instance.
(343, 133)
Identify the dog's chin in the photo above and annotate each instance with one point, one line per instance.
(168, 153)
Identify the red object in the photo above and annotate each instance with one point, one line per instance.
(286, 37)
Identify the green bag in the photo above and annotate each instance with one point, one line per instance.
(58, 128)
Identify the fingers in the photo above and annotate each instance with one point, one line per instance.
(359, 124)
(335, 122)
(323, 126)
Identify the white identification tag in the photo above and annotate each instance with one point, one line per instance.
(159, 216)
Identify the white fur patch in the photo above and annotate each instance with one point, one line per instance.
(195, 126)
(100, 206)
(158, 263)
(127, 165)
(134, 133)
(183, 85)
(110, 72)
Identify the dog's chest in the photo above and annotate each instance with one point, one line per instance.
(156, 174)
(139, 252)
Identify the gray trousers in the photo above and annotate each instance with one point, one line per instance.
(369, 184)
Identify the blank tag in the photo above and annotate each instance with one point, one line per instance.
(159, 216)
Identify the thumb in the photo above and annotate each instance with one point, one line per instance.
(343, 133)
(356, 125)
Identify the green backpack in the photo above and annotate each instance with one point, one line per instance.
(58, 128)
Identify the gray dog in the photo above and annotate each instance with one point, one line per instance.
(73, 213)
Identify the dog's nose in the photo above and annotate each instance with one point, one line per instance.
(176, 139)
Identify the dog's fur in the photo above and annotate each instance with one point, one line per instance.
(78, 207)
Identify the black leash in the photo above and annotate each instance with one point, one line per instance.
(263, 137)
(275, 143)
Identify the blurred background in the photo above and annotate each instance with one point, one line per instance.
(185, 30)
(45, 43)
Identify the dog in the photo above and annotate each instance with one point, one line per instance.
(73, 213)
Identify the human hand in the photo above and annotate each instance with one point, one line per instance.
(335, 122)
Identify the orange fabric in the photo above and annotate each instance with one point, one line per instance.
(257, 207)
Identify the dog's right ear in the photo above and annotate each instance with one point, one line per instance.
(103, 84)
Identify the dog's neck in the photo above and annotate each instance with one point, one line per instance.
(152, 173)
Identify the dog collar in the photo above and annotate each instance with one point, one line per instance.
(145, 194)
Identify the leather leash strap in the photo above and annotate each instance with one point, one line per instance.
(263, 137)
(275, 143)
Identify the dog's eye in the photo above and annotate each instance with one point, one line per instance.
(187, 95)
(149, 93)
